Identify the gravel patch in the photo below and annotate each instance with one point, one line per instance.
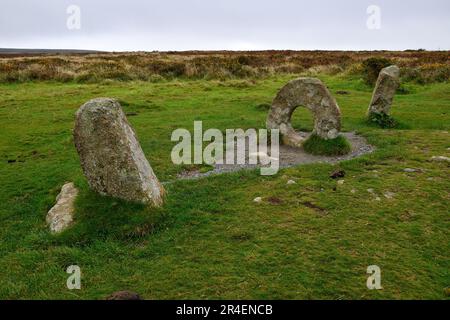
(290, 157)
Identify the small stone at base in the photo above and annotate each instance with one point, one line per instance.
(60, 217)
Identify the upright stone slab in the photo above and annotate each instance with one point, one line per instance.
(383, 95)
(111, 157)
(312, 94)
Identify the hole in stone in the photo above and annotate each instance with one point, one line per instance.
(302, 120)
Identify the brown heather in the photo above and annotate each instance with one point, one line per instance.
(417, 66)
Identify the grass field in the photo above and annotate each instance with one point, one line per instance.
(311, 240)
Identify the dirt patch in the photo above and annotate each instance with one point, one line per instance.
(290, 157)
(337, 174)
(314, 207)
(275, 200)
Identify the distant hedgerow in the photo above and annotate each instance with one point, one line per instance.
(420, 67)
(372, 68)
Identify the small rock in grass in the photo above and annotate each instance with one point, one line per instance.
(389, 195)
(257, 200)
(440, 159)
(291, 182)
(124, 295)
(341, 182)
(60, 217)
(409, 170)
(370, 191)
(353, 191)
(337, 174)
(430, 179)
(377, 199)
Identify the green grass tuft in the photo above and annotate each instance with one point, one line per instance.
(335, 147)
(382, 120)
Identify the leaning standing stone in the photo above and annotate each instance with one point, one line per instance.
(111, 157)
(383, 95)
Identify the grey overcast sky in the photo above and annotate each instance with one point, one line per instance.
(131, 25)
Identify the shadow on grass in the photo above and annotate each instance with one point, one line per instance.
(100, 217)
(385, 121)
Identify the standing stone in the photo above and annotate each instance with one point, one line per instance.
(111, 157)
(60, 217)
(383, 95)
(312, 94)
